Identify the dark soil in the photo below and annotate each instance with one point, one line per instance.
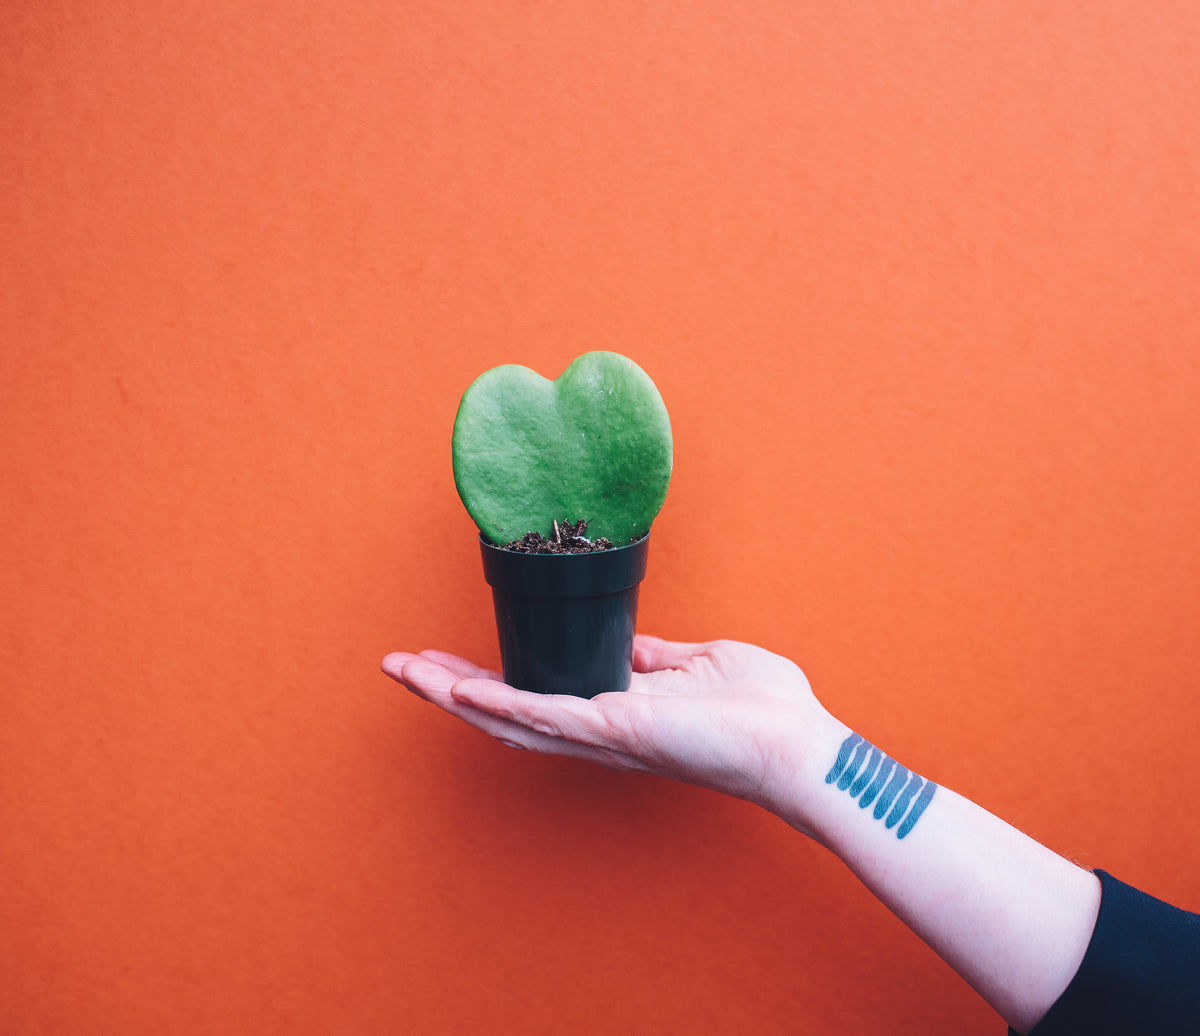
(569, 539)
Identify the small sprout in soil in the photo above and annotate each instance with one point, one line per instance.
(569, 538)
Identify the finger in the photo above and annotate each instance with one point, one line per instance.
(488, 708)
(651, 654)
(510, 734)
(425, 678)
(553, 715)
(463, 667)
(393, 664)
(561, 717)
(394, 661)
(434, 682)
(557, 724)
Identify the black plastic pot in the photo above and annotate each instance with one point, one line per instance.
(566, 621)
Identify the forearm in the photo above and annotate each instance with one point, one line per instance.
(1010, 916)
(1007, 914)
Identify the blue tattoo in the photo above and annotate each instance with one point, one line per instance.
(876, 786)
(870, 776)
(867, 773)
(918, 808)
(899, 776)
(843, 756)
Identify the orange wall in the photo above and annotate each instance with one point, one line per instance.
(919, 284)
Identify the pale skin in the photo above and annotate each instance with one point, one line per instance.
(1010, 916)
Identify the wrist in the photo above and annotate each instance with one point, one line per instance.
(795, 788)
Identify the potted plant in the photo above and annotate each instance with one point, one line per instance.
(563, 479)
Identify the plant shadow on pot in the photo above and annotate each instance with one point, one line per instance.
(566, 621)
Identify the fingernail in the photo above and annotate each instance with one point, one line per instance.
(510, 744)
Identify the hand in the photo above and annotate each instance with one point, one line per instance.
(1010, 916)
(724, 715)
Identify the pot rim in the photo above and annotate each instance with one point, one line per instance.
(564, 575)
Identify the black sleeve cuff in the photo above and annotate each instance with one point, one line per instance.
(1141, 971)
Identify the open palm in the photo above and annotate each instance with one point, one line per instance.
(723, 715)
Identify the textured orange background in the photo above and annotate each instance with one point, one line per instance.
(919, 284)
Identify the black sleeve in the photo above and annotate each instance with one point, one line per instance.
(1140, 974)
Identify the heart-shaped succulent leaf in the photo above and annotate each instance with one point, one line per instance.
(594, 444)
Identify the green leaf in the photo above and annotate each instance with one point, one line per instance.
(594, 444)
